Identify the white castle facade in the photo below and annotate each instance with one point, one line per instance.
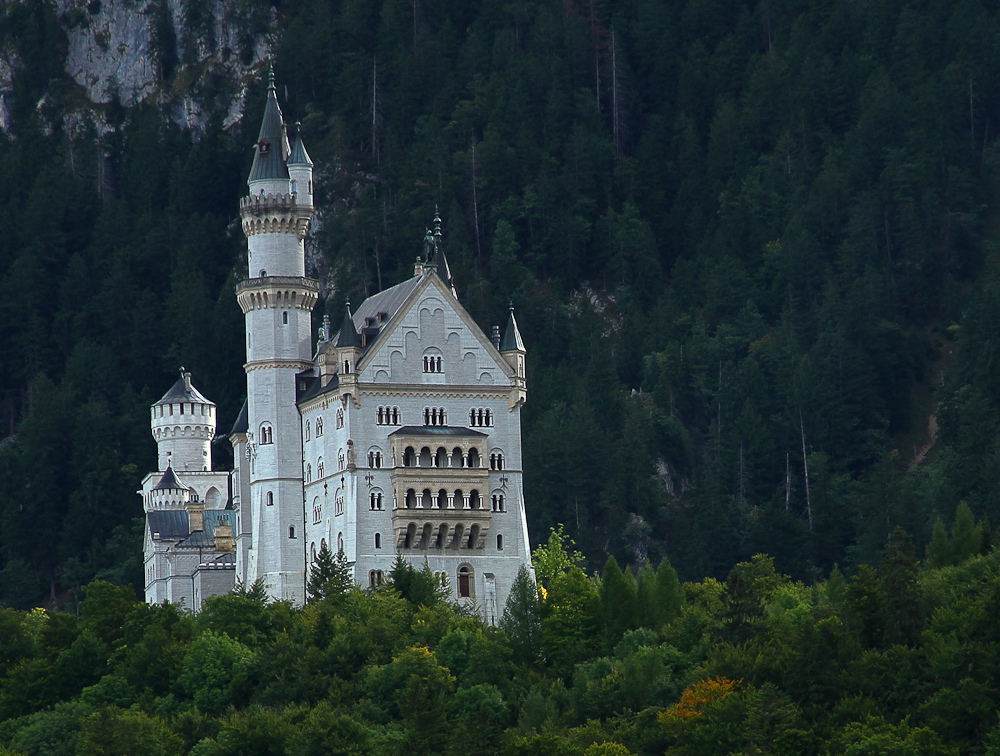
(398, 435)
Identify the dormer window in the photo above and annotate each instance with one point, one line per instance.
(264, 146)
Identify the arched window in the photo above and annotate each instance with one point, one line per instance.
(379, 416)
(433, 362)
(378, 540)
(270, 499)
(308, 431)
(466, 584)
(284, 318)
(375, 500)
(309, 473)
(319, 427)
(340, 418)
(395, 415)
(312, 552)
(499, 543)
(266, 434)
(340, 459)
(340, 542)
(375, 458)
(374, 578)
(339, 504)
(319, 468)
(291, 531)
(317, 510)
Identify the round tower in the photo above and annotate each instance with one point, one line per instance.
(183, 424)
(277, 301)
(169, 493)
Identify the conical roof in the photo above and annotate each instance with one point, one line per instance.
(271, 149)
(169, 482)
(299, 155)
(184, 391)
(511, 340)
(242, 424)
(349, 336)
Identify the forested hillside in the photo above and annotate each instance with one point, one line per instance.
(750, 245)
(903, 660)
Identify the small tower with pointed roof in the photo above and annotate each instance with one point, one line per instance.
(183, 424)
(512, 349)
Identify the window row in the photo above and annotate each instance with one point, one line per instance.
(480, 418)
(435, 416)
(432, 363)
(444, 499)
(387, 416)
(442, 458)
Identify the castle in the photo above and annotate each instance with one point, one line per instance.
(398, 434)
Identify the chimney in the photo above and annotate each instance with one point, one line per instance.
(187, 379)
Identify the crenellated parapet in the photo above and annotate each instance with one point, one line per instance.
(274, 292)
(275, 214)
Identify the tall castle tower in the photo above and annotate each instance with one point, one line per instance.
(277, 301)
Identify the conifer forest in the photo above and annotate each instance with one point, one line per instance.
(754, 249)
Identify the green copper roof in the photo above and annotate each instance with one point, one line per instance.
(271, 149)
(511, 340)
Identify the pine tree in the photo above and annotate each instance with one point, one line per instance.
(618, 602)
(329, 577)
(521, 619)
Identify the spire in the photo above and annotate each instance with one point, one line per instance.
(299, 155)
(511, 340)
(348, 333)
(271, 149)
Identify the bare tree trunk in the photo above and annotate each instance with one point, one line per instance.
(805, 468)
(788, 481)
(475, 205)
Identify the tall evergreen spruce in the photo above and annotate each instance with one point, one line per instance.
(329, 577)
(521, 620)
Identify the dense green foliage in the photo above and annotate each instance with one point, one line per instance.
(903, 659)
(749, 243)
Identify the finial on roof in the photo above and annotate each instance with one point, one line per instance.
(270, 76)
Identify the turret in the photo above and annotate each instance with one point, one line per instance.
(348, 349)
(183, 424)
(300, 170)
(168, 493)
(512, 349)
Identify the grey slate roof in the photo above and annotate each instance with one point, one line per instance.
(215, 517)
(348, 336)
(388, 301)
(170, 524)
(299, 155)
(198, 539)
(435, 430)
(511, 336)
(318, 388)
(169, 482)
(179, 393)
(272, 148)
(242, 424)
(443, 270)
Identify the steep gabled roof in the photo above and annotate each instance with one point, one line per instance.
(169, 482)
